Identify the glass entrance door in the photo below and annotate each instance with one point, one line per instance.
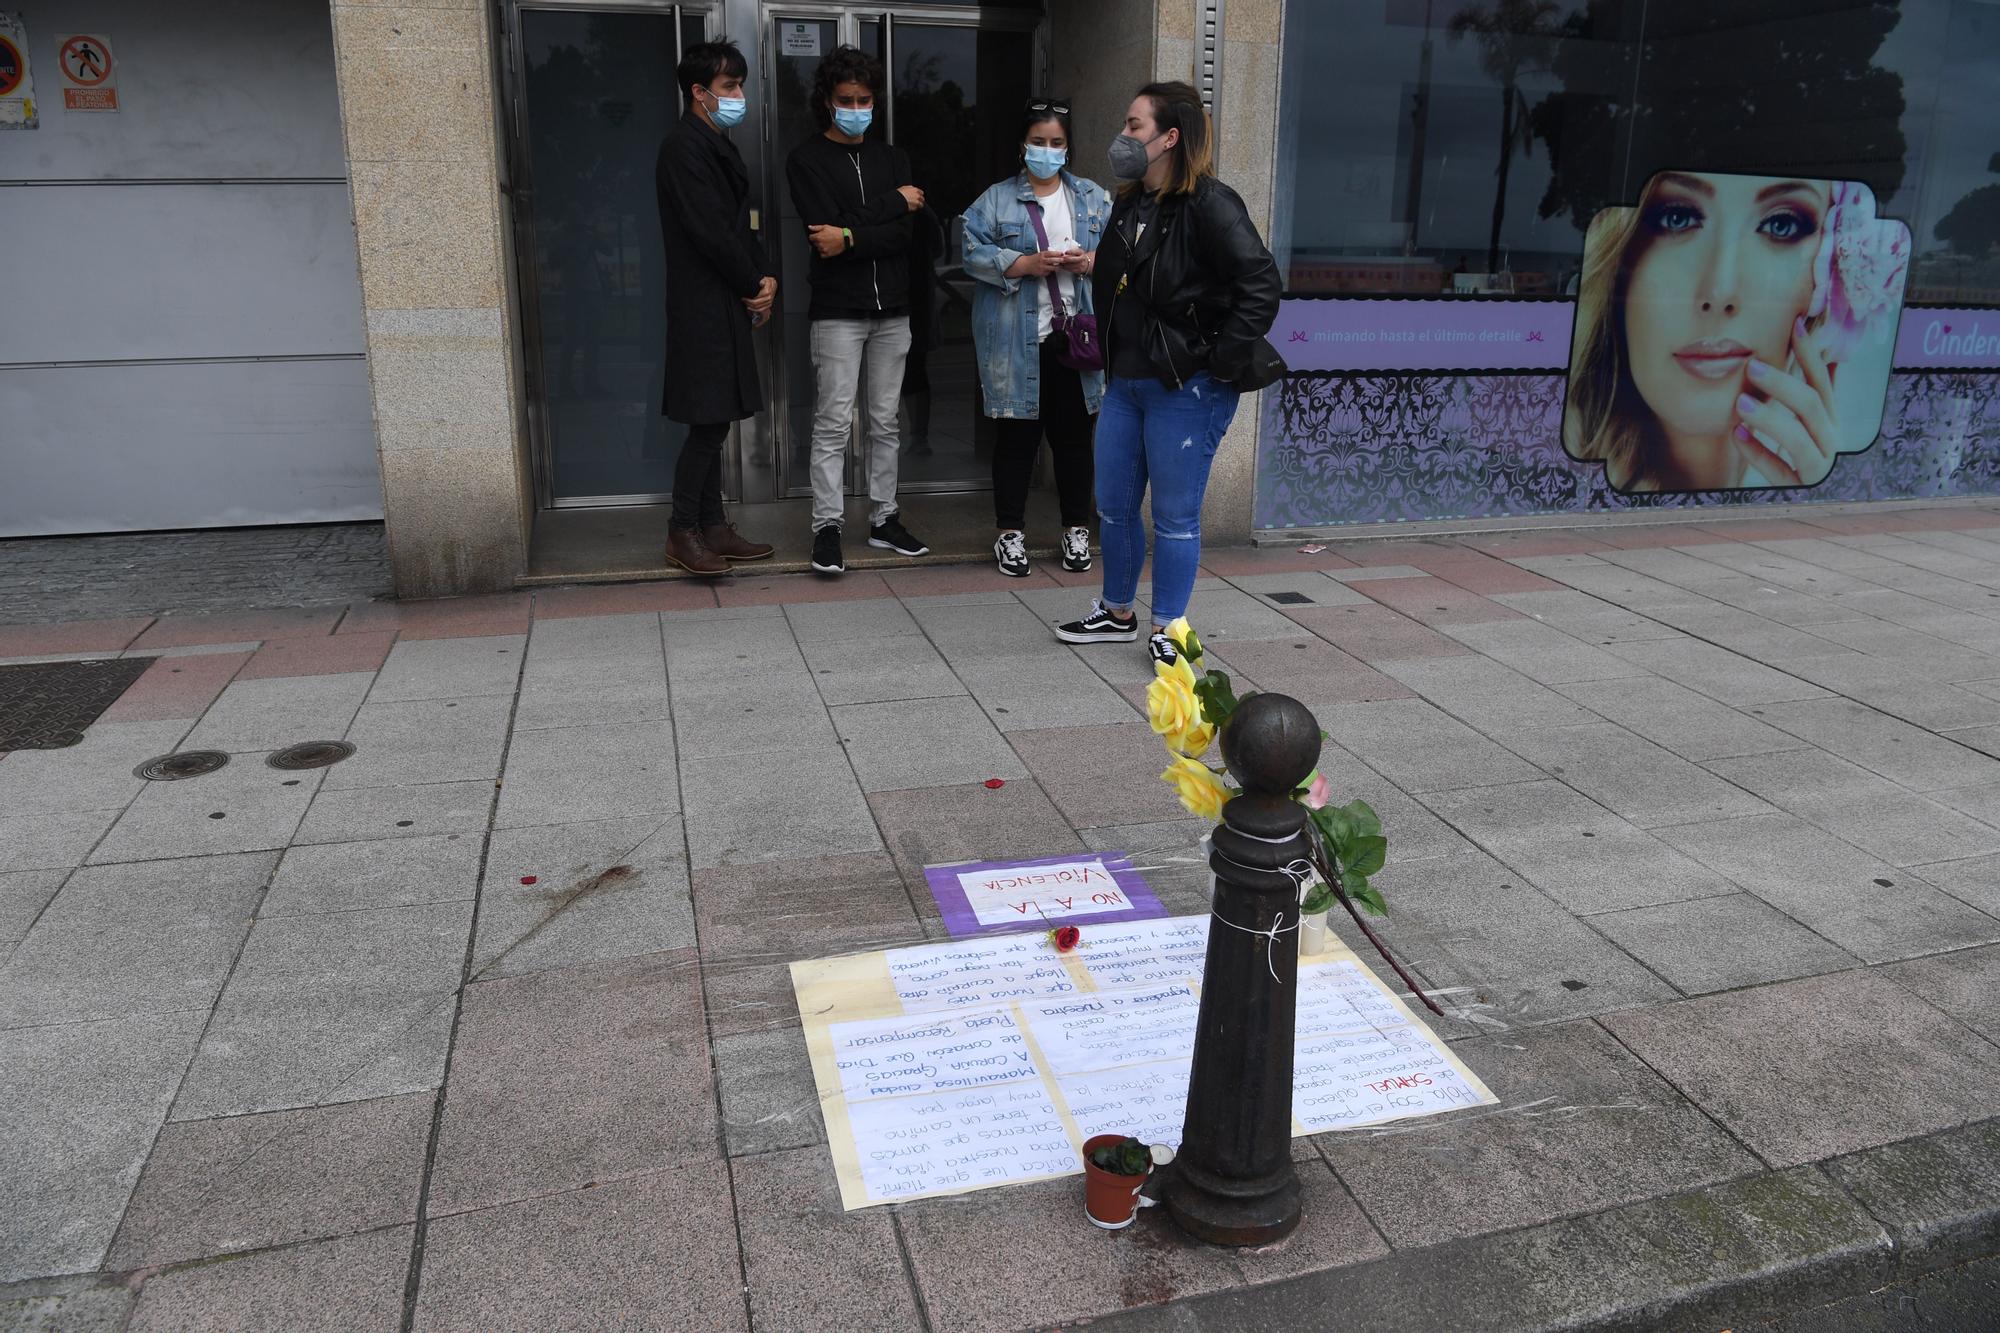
(957, 84)
(594, 94)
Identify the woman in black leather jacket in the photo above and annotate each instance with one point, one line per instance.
(1185, 291)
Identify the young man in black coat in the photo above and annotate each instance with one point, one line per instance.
(719, 287)
(856, 198)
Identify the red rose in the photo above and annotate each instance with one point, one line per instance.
(1065, 937)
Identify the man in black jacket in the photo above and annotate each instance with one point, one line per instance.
(856, 198)
(718, 286)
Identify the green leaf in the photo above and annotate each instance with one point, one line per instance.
(1334, 824)
(1217, 700)
(1365, 855)
(1192, 647)
(1369, 899)
(1318, 898)
(1363, 817)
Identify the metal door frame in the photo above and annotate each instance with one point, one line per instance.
(519, 186)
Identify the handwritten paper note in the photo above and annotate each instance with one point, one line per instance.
(978, 897)
(945, 1068)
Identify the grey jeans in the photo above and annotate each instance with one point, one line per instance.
(841, 350)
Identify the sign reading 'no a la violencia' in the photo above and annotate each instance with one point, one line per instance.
(17, 84)
(88, 77)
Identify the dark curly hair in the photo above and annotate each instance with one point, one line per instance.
(844, 64)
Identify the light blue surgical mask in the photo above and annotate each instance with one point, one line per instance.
(1044, 162)
(854, 120)
(729, 111)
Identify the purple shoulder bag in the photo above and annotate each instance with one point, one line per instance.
(1080, 349)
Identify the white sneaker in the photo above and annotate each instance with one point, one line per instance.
(1076, 549)
(1010, 552)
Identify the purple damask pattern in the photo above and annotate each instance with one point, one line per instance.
(1370, 448)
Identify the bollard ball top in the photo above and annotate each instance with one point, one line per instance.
(1271, 743)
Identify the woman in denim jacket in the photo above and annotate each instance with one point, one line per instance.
(1027, 388)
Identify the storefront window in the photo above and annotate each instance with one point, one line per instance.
(1462, 146)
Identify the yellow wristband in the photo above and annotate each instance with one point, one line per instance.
(847, 236)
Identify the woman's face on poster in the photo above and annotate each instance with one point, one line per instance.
(1721, 267)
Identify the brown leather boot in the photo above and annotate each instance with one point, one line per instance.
(686, 548)
(727, 542)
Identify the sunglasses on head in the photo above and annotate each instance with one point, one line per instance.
(1058, 105)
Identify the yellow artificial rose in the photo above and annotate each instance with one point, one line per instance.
(1200, 791)
(1182, 634)
(1178, 669)
(1175, 714)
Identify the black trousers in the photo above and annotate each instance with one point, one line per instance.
(1066, 420)
(698, 478)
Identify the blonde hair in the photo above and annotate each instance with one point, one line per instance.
(1177, 106)
(1605, 420)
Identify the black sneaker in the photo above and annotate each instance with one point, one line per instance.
(1011, 554)
(1163, 650)
(1076, 549)
(826, 556)
(893, 536)
(1100, 626)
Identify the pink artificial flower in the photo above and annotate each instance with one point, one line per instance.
(1319, 793)
(1859, 269)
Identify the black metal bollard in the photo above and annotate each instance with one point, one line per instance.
(1232, 1181)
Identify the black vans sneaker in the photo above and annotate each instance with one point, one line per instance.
(1076, 549)
(1163, 650)
(1010, 552)
(826, 555)
(893, 536)
(1100, 626)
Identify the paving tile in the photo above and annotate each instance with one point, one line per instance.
(1916, 654)
(78, 1303)
(450, 669)
(848, 622)
(176, 687)
(1632, 777)
(1873, 910)
(1496, 950)
(258, 715)
(71, 637)
(787, 589)
(1419, 748)
(866, 671)
(1761, 1061)
(775, 804)
(747, 995)
(442, 618)
(84, 1102)
(1586, 617)
(1414, 831)
(560, 645)
(1486, 695)
(1375, 634)
(23, 894)
(1486, 575)
(94, 774)
(566, 1077)
(1975, 881)
(332, 1007)
(761, 711)
(425, 740)
(1312, 671)
(1935, 1195)
(1514, 545)
(1045, 686)
(602, 891)
(1712, 944)
(941, 825)
(1223, 616)
(1100, 775)
(1168, 858)
(589, 691)
(392, 872)
(1230, 562)
(1573, 849)
(808, 1265)
(1310, 584)
(1541, 652)
(250, 1182)
(1986, 740)
(765, 1085)
(604, 599)
(122, 941)
(923, 743)
(1592, 1128)
(439, 808)
(330, 1286)
(1692, 725)
(1849, 802)
(52, 840)
(320, 655)
(1965, 985)
(1727, 677)
(1437, 602)
(607, 771)
(246, 806)
(810, 908)
(1898, 751)
(238, 627)
(657, 1250)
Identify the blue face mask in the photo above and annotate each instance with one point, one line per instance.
(854, 120)
(729, 111)
(1045, 162)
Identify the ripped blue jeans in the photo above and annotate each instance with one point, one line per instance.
(1147, 432)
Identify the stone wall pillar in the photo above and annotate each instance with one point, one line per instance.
(417, 105)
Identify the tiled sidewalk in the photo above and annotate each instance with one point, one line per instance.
(1695, 825)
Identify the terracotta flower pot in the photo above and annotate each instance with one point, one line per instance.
(1110, 1200)
(1312, 932)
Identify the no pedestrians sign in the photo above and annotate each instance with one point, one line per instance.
(86, 66)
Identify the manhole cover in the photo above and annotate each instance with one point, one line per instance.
(310, 754)
(1290, 598)
(47, 705)
(186, 764)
